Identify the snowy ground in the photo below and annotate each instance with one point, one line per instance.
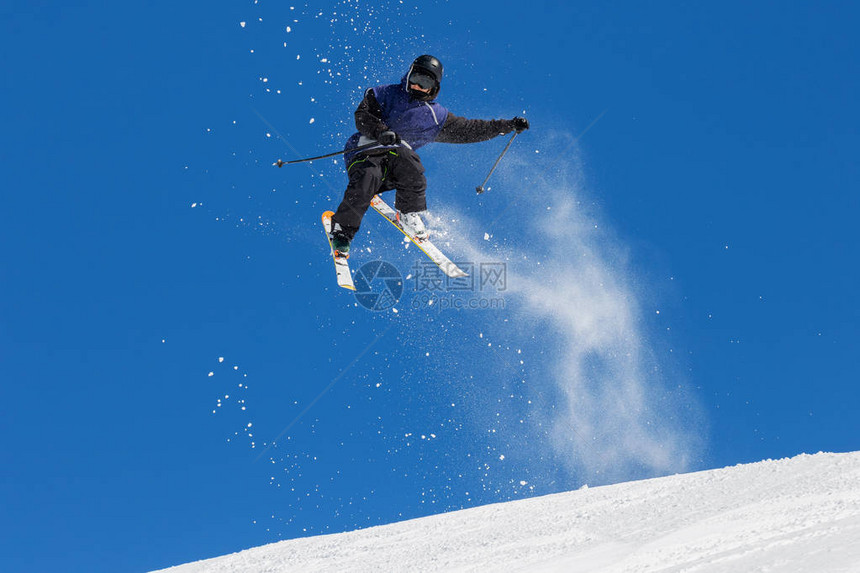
(800, 514)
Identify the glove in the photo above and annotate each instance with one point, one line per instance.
(520, 124)
(388, 138)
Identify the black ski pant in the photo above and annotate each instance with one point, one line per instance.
(369, 174)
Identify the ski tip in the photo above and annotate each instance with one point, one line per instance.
(453, 271)
(327, 215)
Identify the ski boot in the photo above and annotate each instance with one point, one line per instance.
(412, 224)
(339, 241)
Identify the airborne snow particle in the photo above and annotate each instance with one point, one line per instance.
(220, 359)
(211, 374)
(312, 120)
(242, 24)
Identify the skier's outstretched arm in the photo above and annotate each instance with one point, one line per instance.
(461, 130)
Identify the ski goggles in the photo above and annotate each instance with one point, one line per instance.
(422, 80)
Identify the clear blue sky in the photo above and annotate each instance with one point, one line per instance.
(146, 236)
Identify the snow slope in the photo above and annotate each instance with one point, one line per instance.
(800, 514)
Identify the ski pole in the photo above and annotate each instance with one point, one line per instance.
(281, 162)
(480, 188)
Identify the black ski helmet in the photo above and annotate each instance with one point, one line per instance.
(426, 71)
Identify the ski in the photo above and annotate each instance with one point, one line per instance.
(427, 247)
(341, 266)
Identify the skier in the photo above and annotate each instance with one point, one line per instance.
(401, 118)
